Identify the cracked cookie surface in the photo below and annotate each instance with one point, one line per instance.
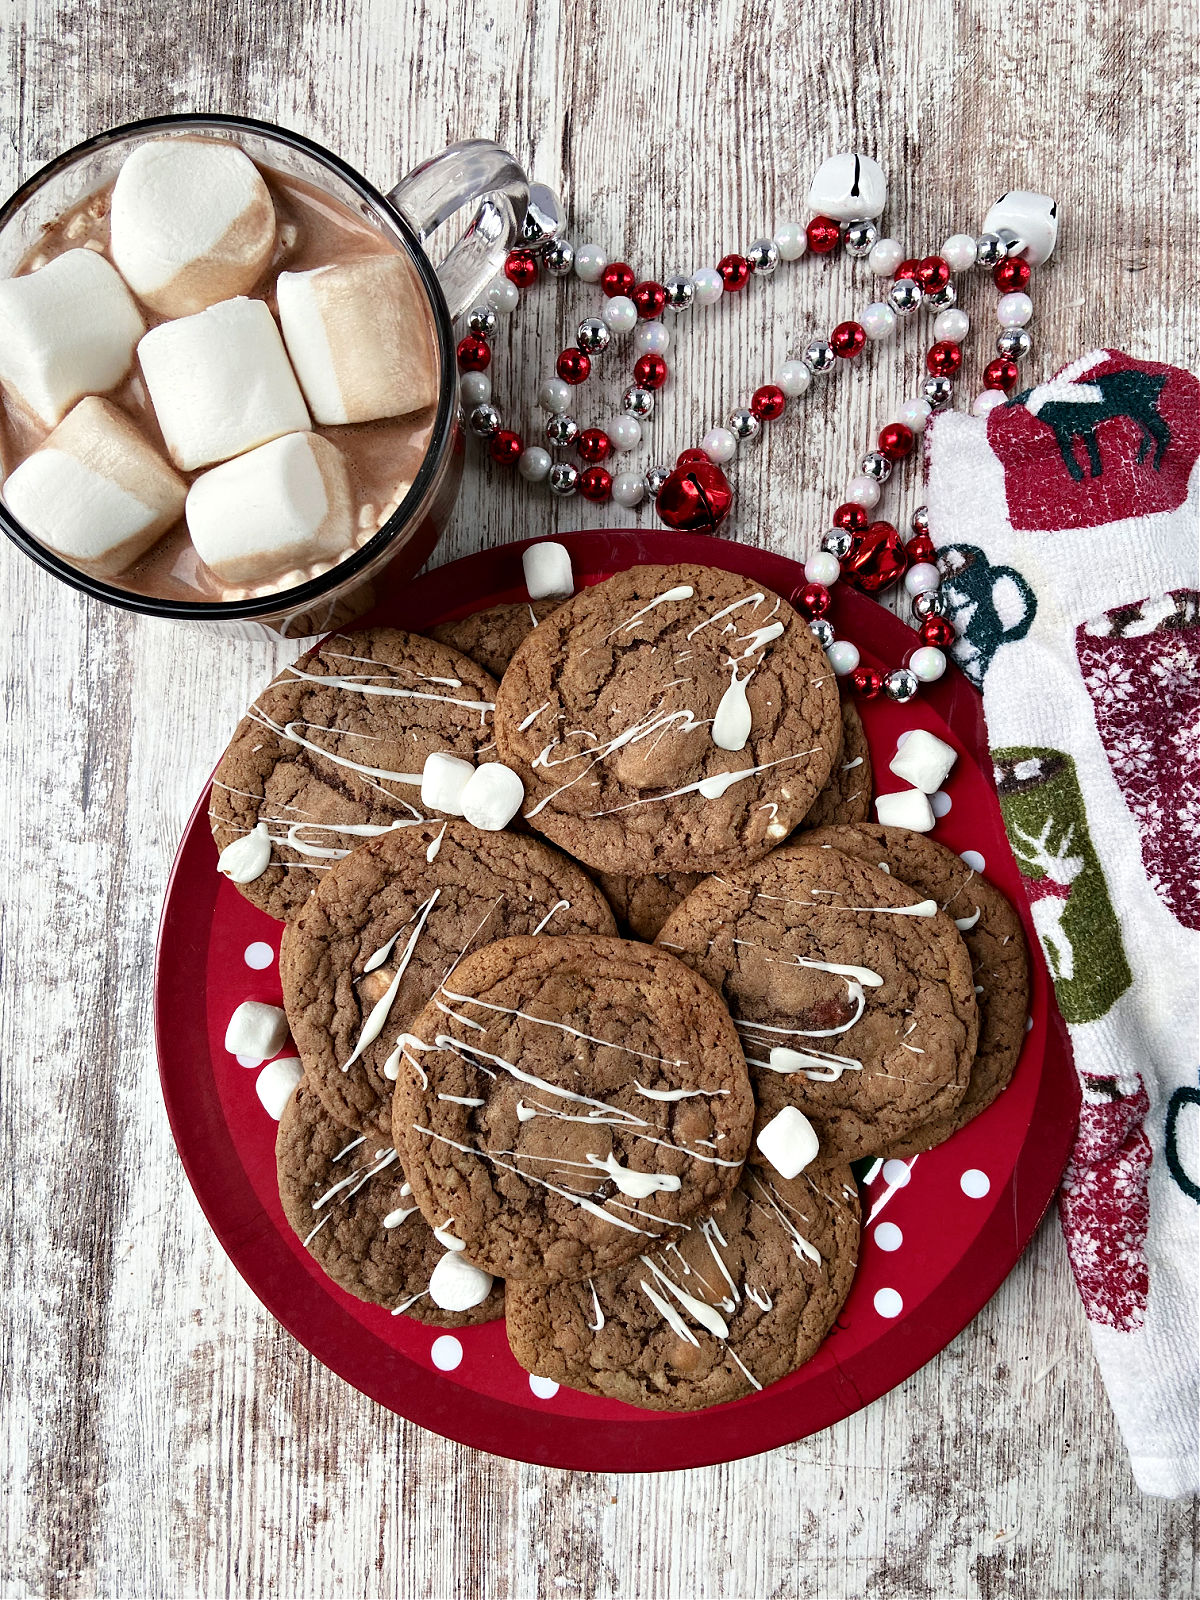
(491, 636)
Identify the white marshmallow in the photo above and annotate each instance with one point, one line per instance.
(848, 188)
(256, 1029)
(281, 507)
(95, 490)
(443, 780)
(909, 808)
(221, 383)
(924, 760)
(547, 570)
(276, 1082)
(66, 330)
(493, 796)
(789, 1142)
(455, 1285)
(191, 223)
(1032, 217)
(358, 336)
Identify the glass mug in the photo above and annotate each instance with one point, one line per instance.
(474, 172)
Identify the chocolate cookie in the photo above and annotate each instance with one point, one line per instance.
(671, 719)
(643, 903)
(991, 931)
(490, 637)
(347, 1200)
(565, 1102)
(847, 795)
(331, 753)
(854, 1001)
(363, 958)
(743, 1299)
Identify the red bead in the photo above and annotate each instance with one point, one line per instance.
(932, 274)
(907, 269)
(877, 559)
(944, 359)
(734, 270)
(920, 548)
(521, 268)
(474, 353)
(813, 599)
(847, 339)
(505, 447)
(617, 278)
(650, 371)
(695, 497)
(938, 631)
(852, 517)
(768, 402)
(573, 365)
(595, 484)
(823, 235)
(867, 682)
(1001, 374)
(594, 444)
(896, 441)
(649, 298)
(1011, 276)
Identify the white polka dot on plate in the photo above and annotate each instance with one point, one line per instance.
(249, 1061)
(973, 859)
(259, 955)
(446, 1353)
(888, 1236)
(896, 1173)
(888, 1303)
(940, 803)
(544, 1388)
(974, 1184)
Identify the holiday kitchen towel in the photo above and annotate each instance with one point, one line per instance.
(1066, 525)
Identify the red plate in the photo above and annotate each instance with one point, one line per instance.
(945, 1228)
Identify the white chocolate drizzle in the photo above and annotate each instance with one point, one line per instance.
(395, 1218)
(675, 1094)
(245, 859)
(375, 1022)
(681, 591)
(599, 1314)
(559, 905)
(731, 725)
(435, 845)
(357, 685)
(637, 1185)
(448, 1240)
(965, 924)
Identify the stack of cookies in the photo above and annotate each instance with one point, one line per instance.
(600, 977)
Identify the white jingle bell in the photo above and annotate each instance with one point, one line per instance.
(848, 188)
(1032, 217)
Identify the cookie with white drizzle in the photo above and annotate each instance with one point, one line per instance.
(740, 1301)
(386, 926)
(846, 797)
(669, 719)
(331, 753)
(563, 1103)
(491, 636)
(991, 931)
(347, 1200)
(853, 997)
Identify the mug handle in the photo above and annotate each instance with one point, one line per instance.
(473, 170)
(1021, 627)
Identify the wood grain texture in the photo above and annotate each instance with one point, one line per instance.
(162, 1436)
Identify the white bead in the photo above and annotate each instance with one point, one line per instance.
(619, 314)
(843, 656)
(624, 433)
(534, 463)
(628, 488)
(928, 663)
(987, 401)
(886, 255)
(794, 377)
(554, 395)
(953, 324)
(719, 445)
(863, 491)
(590, 262)
(708, 286)
(1032, 217)
(475, 389)
(651, 338)
(848, 187)
(823, 568)
(792, 241)
(922, 578)
(502, 295)
(914, 414)
(1013, 310)
(878, 321)
(958, 252)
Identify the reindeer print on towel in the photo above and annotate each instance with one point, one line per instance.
(1063, 879)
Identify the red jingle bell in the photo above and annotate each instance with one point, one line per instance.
(695, 498)
(876, 560)
(867, 682)
(938, 631)
(687, 457)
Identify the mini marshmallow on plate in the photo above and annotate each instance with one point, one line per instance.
(444, 778)
(493, 796)
(924, 760)
(275, 1083)
(95, 490)
(66, 330)
(789, 1142)
(256, 1029)
(548, 570)
(909, 808)
(221, 383)
(283, 506)
(192, 223)
(358, 338)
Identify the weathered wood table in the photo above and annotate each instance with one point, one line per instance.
(162, 1435)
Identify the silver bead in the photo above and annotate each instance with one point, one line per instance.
(763, 256)
(544, 218)
(877, 466)
(937, 391)
(920, 520)
(942, 299)
(592, 336)
(988, 250)
(558, 258)
(638, 402)
(838, 542)
(563, 478)
(1014, 343)
(930, 604)
(1012, 241)
(744, 425)
(861, 238)
(818, 356)
(482, 319)
(655, 478)
(681, 292)
(484, 422)
(900, 685)
(904, 296)
(822, 632)
(561, 430)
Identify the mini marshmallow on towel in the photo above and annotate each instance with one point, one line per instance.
(358, 339)
(256, 1029)
(275, 1083)
(789, 1142)
(455, 1285)
(909, 808)
(66, 330)
(192, 223)
(493, 796)
(221, 383)
(284, 506)
(548, 570)
(443, 780)
(96, 491)
(924, 760)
